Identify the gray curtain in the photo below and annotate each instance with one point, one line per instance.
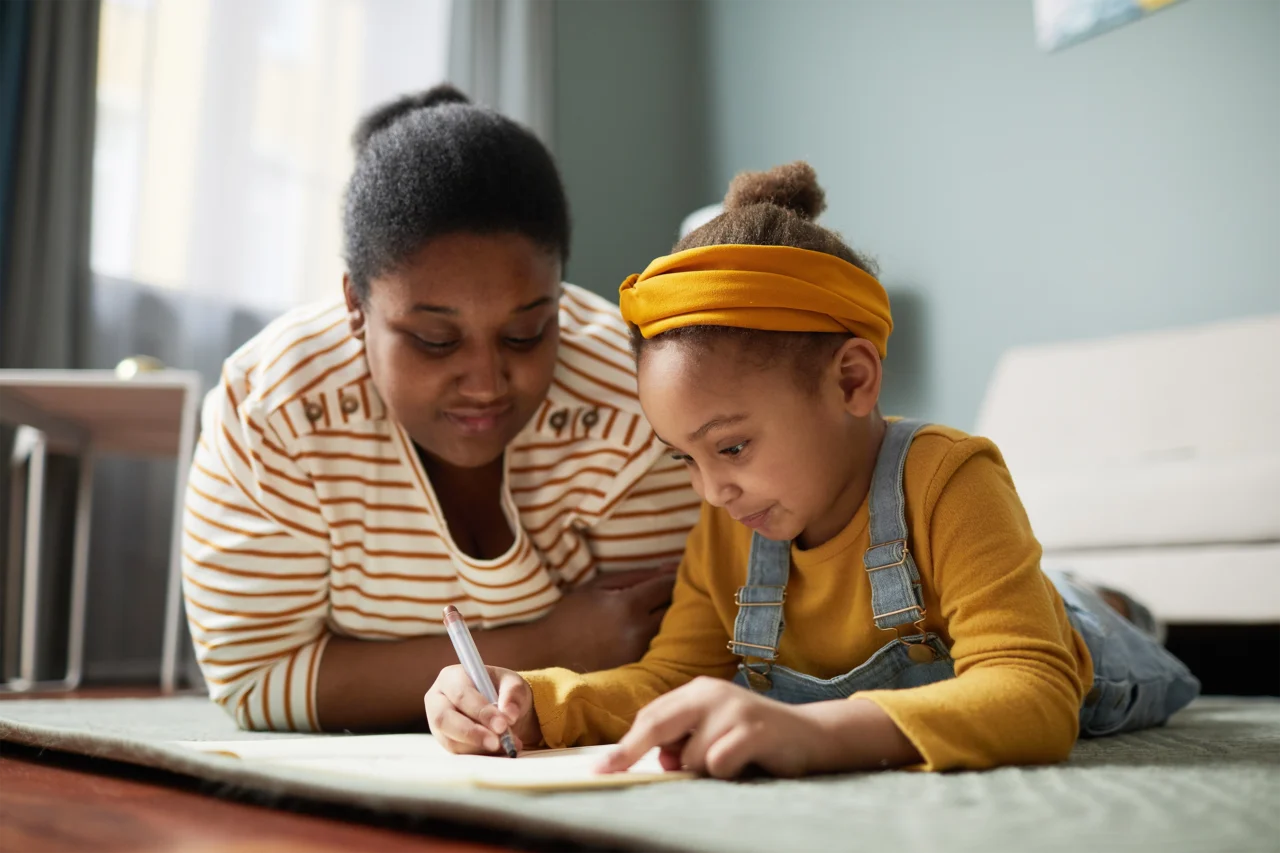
(502, 54)
(55, 314)
(13, 58)
(46, 236)
(48, 71)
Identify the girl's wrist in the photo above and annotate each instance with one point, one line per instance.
(855, 734)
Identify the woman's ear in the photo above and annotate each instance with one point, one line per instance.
(859, 373)
(355, 307)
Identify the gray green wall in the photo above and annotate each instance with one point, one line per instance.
(630, 133)
(1130, 182)
(1011, 196)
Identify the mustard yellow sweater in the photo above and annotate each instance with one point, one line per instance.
(1021, 668)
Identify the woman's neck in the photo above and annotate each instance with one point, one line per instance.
(861, 465)
(484, 482)
(471, 501)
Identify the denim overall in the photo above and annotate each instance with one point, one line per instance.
(1137, 683)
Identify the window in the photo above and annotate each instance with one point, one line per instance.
(223, 135)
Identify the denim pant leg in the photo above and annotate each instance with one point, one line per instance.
(1137, 683)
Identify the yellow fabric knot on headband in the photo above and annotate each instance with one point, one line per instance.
(774, 288)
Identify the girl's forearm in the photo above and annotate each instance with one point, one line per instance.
(859, 736)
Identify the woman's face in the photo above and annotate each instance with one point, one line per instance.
(461, 341)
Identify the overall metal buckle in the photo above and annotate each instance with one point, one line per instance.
(919, 650)
(898, 562)
(758, 680)
(782, 597)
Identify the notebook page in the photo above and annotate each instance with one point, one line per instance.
(418, 759)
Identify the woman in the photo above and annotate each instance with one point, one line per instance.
(461, 429)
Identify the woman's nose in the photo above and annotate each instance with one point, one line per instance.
(484, 375)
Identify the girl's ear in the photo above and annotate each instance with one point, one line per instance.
(355, 308)
(859, 373)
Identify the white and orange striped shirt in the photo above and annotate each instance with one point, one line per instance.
(308, 512)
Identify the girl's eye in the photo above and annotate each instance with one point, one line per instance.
(735, 450)
(682, 457)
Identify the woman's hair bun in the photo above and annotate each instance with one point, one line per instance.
(793, 187)
(386, 115)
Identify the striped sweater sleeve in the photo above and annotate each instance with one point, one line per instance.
(255, 570)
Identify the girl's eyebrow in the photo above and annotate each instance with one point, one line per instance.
(718, 422)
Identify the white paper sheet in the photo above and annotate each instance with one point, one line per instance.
(419, 759)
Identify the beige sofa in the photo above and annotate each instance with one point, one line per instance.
(1151, 462)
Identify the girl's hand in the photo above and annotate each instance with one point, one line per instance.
(714, 727)
(463, 721)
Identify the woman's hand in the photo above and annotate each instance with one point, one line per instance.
(610, 621)
(463, 721)
(716, 728)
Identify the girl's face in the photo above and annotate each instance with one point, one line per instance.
(461, 341)
(786, 460)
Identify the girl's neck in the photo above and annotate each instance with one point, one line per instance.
(861, 465)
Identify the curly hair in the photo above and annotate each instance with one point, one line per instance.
(772, 208)
(433, 164)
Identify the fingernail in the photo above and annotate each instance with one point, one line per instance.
(498, 725)
(491, 743)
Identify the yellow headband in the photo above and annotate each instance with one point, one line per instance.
(774, 288)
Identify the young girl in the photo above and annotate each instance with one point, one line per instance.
(877, 577)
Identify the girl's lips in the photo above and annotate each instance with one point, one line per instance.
(756, 520)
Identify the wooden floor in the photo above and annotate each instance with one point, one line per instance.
(57, 802)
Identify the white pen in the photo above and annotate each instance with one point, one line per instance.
(469, 655)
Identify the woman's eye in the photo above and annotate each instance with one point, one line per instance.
(524, 343)
(735, 450)
(435, 346)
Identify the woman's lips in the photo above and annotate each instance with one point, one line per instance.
(478, 421)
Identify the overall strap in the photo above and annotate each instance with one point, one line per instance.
(895, 581)
(758, 627)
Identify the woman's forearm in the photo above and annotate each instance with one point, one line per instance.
(366, 685)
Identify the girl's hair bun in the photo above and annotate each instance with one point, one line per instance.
(386, 115)
(793, 187)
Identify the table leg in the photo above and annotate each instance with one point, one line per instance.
(13, 566)
(80, 571)
(173, 605)
(31, 563)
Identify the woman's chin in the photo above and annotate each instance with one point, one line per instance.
(464, 451)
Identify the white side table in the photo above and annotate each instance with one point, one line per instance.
(91, 413)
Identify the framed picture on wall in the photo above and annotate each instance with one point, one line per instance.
(1061, 23)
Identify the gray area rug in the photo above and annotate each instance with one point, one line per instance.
(1209, 781)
